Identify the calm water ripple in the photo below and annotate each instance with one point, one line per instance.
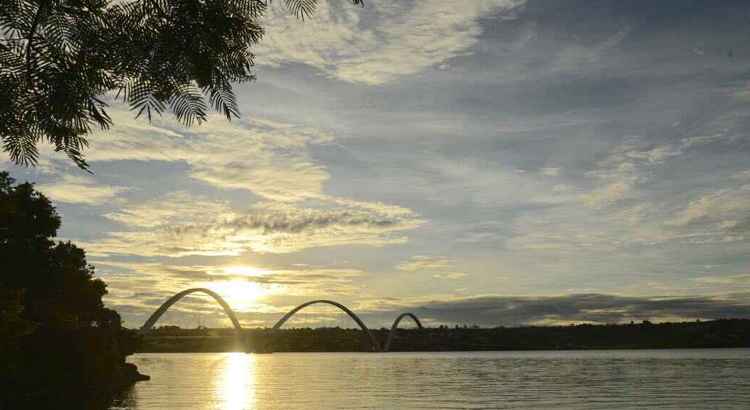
(666, 379)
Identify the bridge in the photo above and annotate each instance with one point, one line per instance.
(374, 344)
(179, 295)
(392, 332)
(373, 341)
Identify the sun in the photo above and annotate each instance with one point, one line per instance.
(241, 295)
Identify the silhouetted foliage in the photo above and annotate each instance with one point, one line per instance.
(716, 333)
(56, 334)
(60, 58)
(58, 285)
(12, 327)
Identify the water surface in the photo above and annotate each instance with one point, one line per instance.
(613, 379)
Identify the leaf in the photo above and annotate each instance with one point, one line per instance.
(188, 105)
(222, 99)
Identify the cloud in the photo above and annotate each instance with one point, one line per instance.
(624, 168)
(181, 224)
(421, 263)
(550, 172)
(733, 280)
(138, 288)
(726, 206)
(449, 275)
(607, 195)
(297, 279)
(742, 175)
(266, 157)
(140, 301)
(518, 149)
(574, 56)
(474, 181)
(589, 308)
(632, 201)
(385, 41)
(80, 190)
(439, 267)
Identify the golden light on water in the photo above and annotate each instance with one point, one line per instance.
(236, 384)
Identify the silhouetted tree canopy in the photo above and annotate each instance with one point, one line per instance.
(59, 59)
(56, 336)
(57, 284)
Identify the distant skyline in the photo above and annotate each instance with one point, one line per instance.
(497, 162)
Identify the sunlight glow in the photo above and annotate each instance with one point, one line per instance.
(236, 386)
(241, 295)
(244, 270)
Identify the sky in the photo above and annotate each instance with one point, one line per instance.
(489, 162)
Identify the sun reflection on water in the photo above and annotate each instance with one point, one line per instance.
(235, 386)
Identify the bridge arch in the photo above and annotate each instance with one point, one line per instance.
(394, 327)
(373, 341)
(171, 301)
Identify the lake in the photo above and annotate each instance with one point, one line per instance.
(604, 379)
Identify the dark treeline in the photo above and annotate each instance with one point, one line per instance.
(645, 335)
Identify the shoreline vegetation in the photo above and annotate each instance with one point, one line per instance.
(722, 333)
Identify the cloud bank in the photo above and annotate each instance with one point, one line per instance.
(581, 308)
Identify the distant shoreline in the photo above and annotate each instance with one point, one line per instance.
(724, 333)
(396, 352)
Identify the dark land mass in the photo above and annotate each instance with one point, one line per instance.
(645, 335)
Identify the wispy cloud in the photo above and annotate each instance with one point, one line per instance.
(80, 190)
(265, 157)
(437, 266)
(726, 208)
(421, 263)
(619, 174)
(396, 39)
(180, 224)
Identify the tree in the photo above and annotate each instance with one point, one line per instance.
(61, 59)
(12, 327)
(55, 333)
(58, 287)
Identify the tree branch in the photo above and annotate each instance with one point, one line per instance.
(29, 43)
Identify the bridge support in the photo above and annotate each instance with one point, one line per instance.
(394, 327)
